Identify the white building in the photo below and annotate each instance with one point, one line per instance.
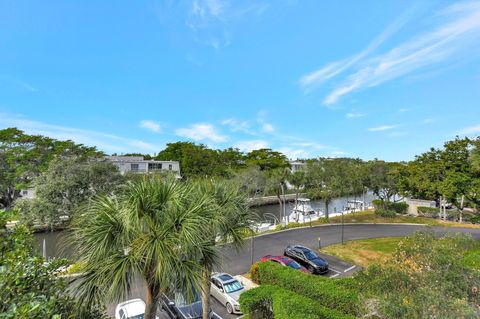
(297, 166)
(138, 164)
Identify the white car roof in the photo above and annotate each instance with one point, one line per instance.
(132, 307)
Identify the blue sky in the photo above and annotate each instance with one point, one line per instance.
(385, 79)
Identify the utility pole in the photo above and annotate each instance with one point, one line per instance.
(251, 247)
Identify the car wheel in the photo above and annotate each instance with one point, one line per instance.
(229, 308)
(311, 269)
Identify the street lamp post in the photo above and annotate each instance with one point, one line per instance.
(251, 247)
(343, 226)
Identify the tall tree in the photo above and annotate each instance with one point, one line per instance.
(152, 230)
(23, 157)
(229, 221)
(276, 183)
(65, 185)
(267, 159)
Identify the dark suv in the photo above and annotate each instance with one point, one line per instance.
(307, 258)
(177, 306)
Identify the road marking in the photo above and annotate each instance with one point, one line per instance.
(336, 275)
(350, 268)
(338, 272)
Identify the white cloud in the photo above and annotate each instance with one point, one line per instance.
(459, 31)
(403, 110)
(267, 127)
(332, 69)
(471, 130)
(313, 145)
(238, 126)
(382, 128)
(151, 125)
(352, 115)
(292, 153)
(200, 132)
(104, 141)
(247, 146)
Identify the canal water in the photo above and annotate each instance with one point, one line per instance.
(55, 242)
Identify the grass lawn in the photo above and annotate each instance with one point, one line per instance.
(472, 258)
(364, 252)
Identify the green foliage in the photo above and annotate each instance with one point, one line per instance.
(397, 207)
(64, 186)
(30, 287)
(475, 219)
(425, 278)
(385, 213)
(23, 157)
(326, 291)
(275, 302)
(428, 211)
(267, 159)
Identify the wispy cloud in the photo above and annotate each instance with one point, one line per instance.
(209, 20)
(26, 86)
(458, 31)
(247, 146)
(104, 141)
(315, 78)
(403, 110)
(352, 115)
(382, 128)
(151, 126)
(200, 132)
(294, 153)
(236, 125)
(471, 130)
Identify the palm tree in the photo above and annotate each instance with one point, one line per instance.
(151, 230)
(229, 222)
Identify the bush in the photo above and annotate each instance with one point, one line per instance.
(475, 219)
(428, 211)
(385, 213)
(399, 207)
(254, 274)
(330, 293)
(268, 302)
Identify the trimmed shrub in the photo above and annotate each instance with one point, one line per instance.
(326, 291)
(385, 213)
(428, 211)
(398, 207)
(266, 302)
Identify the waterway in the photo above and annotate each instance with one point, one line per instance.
(55, 242)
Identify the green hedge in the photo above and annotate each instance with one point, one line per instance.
(428, 211)
(268, 302)
(385, 213)
(329, 292)
(397, 207)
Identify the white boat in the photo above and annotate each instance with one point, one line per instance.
(302, 212)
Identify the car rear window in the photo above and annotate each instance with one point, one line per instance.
(294, 265)
(225, 277)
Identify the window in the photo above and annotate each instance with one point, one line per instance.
(170, 167)
(134, 167)
(154, 166)
(25, 192)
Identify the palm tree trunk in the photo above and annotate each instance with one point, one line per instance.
(207, 273)
(151, 301)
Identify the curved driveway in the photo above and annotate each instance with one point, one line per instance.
(239, 262)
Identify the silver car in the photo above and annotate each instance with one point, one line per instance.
(227, 290)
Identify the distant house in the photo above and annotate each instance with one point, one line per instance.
(137, 164)
(296, 166)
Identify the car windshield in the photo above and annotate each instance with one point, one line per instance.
(310, 255)
(294, 265)
(232, 286)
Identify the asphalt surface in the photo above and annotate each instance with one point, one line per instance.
(239, 262)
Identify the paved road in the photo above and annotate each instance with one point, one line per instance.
(239, 262)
